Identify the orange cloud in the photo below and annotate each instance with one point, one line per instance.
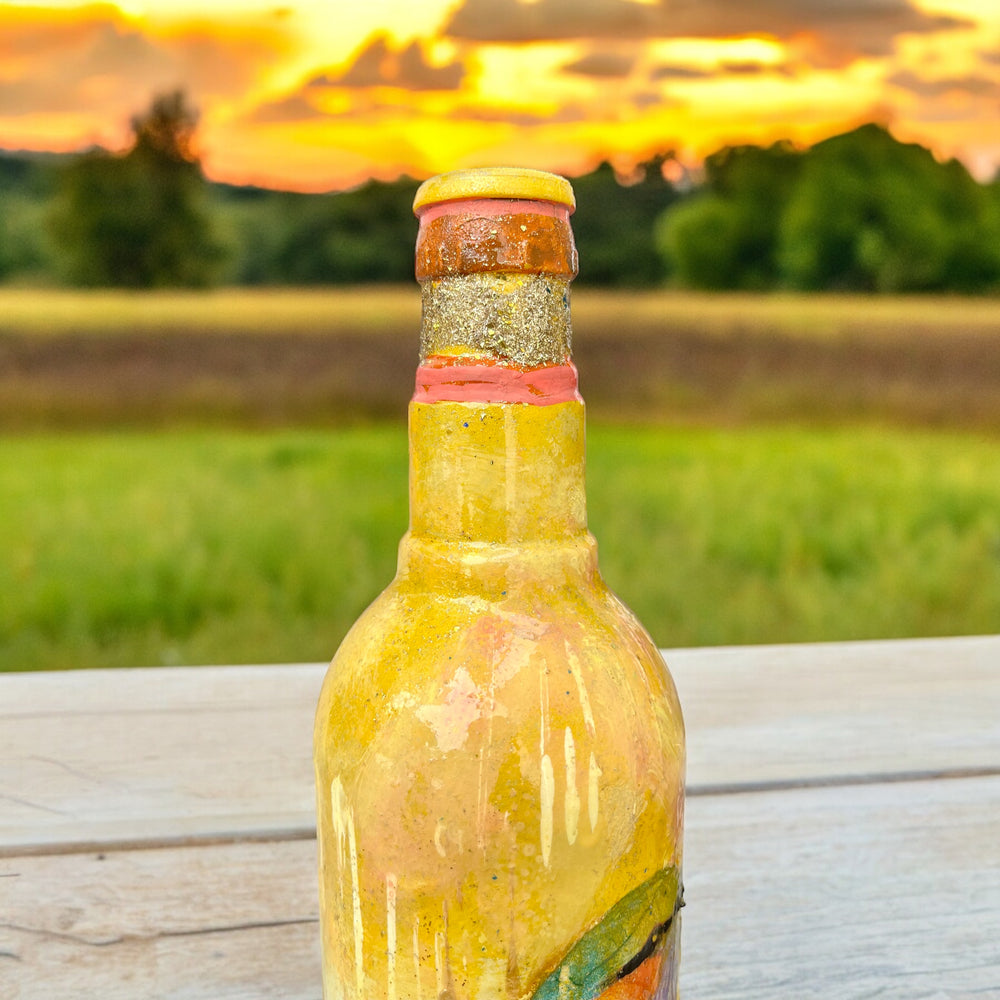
(90, 68)
(550, 83)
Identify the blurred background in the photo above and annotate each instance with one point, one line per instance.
(787, 319)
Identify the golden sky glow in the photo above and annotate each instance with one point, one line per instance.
(319, 94)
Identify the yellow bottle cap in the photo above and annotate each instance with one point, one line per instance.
(495, 182)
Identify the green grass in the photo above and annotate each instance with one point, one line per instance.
(135, 548)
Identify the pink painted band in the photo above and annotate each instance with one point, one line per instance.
(490, 208)
(496, 384)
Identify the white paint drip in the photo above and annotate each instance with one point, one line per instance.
(439, 947)
(338, 820)
(416, 956)
(390, 935)
(439, 832)
(572, 795)
(588, 713)
(513, 454)
(592, 791)
(481, 801)
(565, 986)
(359, 931)
(547, 780)
(548, 798)
(543, 707)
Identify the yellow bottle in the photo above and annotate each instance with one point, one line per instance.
(499, 747)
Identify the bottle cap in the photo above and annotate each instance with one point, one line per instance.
(495, 182)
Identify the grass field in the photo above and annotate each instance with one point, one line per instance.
(270, 358)
(235, 545)
(220, 477)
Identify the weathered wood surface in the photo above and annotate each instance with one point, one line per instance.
(852, 891)
(155, 827)
(97, 758)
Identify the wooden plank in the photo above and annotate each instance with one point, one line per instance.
(164, 755)
(230, 920)
(99, 757)
(890, 891)
(819, 712)
(127, 755)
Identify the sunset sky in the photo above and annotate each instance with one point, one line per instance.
(320, 94)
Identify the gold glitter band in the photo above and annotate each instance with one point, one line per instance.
(519, 319)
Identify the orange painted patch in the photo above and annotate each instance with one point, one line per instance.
(638, 985)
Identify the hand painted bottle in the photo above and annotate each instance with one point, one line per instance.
(499, 747)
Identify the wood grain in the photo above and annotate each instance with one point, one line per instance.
(889, 891)
(857, 891)
(180, 755)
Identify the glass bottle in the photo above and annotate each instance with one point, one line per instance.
(499, 747)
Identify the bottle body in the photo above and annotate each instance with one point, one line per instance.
(499, 748)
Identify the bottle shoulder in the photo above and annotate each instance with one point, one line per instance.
(416, 647)
(409, 616)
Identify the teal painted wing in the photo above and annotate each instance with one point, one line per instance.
(627, 935)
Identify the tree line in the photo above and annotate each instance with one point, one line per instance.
(858, 212)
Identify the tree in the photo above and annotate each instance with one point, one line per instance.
(860, 211)
(726, 236)
(25, 188)
(138, 220)
(874, 214)
(613, 225)
(355, 237)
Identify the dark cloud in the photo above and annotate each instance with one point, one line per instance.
(648, 100)
(567, 114)
(744, 69)
(972, 85)
(510, 21)
(604, 65)
(851, 28)
(294, 108)
(379, 65)
(672, 71)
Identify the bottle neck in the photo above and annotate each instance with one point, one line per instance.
(502, 473)
(496, 422)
